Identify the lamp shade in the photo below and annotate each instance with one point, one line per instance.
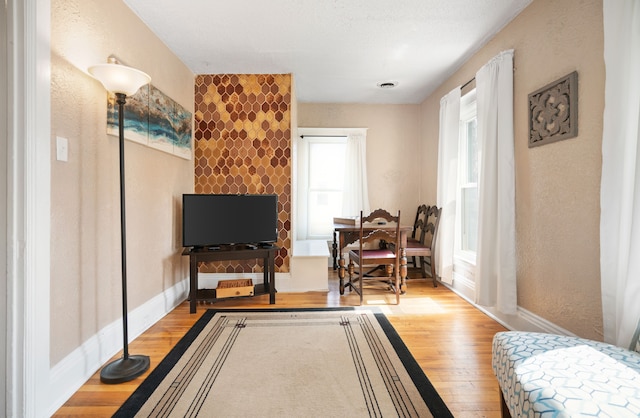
(118, 78)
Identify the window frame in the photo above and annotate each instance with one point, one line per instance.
(468, 112)
(337, 139)
(300, 173)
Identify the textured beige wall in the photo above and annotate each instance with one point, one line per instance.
(557, 185)
(393, 138)
(85, 202)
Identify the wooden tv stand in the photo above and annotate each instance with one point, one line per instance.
(232, 252)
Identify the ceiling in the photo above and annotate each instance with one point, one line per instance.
(337, 50)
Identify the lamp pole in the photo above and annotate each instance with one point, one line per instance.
(121, 100)
(122, 80)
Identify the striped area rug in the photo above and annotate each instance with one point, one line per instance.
(288, 363)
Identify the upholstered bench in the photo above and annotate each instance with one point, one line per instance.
(544, 375)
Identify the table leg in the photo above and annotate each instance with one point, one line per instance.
(265, 274)
(272, 279)
(341, 274)
(193, 283)
(403, 270)
(334, 251)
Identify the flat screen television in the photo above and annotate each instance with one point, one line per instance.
(210, 220)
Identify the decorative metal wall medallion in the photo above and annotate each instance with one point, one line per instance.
(553, 111)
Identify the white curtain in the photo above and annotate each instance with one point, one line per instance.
(620, 183)
(447, 183)
(355, 193)
(300, 182)
(496, 257)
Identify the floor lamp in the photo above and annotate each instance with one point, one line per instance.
(123, 81)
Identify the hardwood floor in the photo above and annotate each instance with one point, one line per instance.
(450, 339)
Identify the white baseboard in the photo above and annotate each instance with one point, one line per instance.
(66, 377)
(463, 286)
(542, 324)
(523, 320)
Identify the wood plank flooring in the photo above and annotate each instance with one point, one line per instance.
(450, 339)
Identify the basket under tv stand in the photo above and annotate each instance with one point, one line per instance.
(227, 253)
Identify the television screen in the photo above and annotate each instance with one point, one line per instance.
(218, 219)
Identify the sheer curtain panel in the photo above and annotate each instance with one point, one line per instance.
(620, 184)
(301, 181)
(496, 256)
(447, 182)
(356, 193)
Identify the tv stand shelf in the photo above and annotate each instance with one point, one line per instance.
(227, 253)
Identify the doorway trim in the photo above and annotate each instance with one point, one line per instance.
(28, 207)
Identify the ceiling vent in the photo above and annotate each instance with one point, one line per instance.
(387, 84)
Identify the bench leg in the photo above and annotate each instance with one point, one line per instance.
(503, 406)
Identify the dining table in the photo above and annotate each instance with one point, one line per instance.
(347, 231)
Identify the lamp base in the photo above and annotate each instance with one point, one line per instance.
(124, 369)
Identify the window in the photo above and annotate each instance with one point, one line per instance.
(326, 156)
(467, 213)
(329, 179)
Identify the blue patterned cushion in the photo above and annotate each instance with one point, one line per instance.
(557, 376)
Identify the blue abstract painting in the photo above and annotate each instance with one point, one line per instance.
(160, 114)
(136, 116)
(152, 118)
(181, 122)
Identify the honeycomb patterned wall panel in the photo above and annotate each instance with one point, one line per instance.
(243, 145)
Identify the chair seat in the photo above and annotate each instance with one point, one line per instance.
(413, 243)
(418, 250)
(415, 249)
(380, 254)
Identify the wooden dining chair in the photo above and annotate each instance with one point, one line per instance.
(370, 253)
(421, 216)
(423, 248)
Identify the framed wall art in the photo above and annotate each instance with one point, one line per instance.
(553, 111)
(153, 119)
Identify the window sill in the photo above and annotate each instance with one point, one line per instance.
(465, 257)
